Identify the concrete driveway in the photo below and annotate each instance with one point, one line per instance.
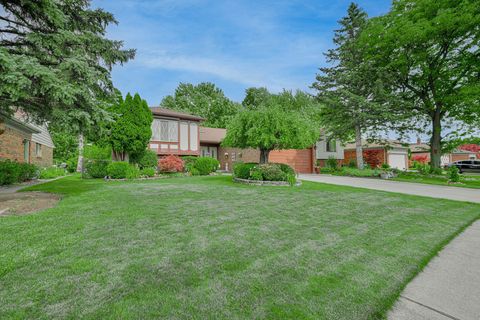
(418, 189)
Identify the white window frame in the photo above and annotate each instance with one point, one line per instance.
(165, 130)
(38, 149)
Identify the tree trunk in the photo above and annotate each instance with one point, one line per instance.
(358, 146)
(264, 155)
(80, 152)
(436, 141)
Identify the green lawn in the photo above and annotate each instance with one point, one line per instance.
(466, 181)
(207, 248)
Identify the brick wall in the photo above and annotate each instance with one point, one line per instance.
(460, 157)
(46, 158)
(300, 160)
(236, 155)
(11, 143)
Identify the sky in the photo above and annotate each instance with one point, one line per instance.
(278, 44)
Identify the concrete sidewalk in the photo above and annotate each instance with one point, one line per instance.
(449, 286)
(426, 190)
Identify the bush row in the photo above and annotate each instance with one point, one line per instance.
(265, 172)
(14, 172)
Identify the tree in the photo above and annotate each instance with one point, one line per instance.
(428, 56)
(276, 123)
(54, 56)
(205, 100)
(131, 131)
(345, 90)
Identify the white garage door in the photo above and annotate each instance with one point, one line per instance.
(398, 161)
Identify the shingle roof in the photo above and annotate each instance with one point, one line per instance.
(212, 135)
(419, 147)
(164, 112)
(377, 144)
(42, 136)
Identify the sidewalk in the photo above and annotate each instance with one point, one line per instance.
(449, 286)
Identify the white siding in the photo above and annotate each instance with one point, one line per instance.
(322, 153)
(193, 137)
(183, 136)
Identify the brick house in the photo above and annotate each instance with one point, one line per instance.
(24, 141)
(181, 134)
(421, 150)
(390, 152)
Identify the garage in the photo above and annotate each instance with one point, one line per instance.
(397, 160)
(300, 160)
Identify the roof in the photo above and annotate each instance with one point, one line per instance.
(41, 134)
(164, 112)
(19, 124)
(419, 147)
(212, 135)
(377, 144)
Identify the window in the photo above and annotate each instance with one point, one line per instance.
(38, 149)
(26, 151)
(331, 145)
(165, 130)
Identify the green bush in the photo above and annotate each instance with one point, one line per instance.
(189, 162)
(423, 168)
(148, 160)
(194, 171)
(291, 179)
(206, 165)
(332, 163)
(96, 152)
(9, 172)
(118, 169)
(96, 168)
(437, 171)
(385, 166)
(453, 175)
(327, 170)
(352, 163)
(147, 172)
(28, 171)
(72, 164)
(242, 170)
(132, 172)
(51, 173)
(285, 168)
(256, 174)
(353, 172)
(272, 172)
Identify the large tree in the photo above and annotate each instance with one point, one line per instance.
(131, 131)
(345, 89)
(54, 56)
(428, 56)
(205, 100)
(282, 121)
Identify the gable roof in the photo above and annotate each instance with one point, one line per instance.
(212, 135)
(377, 144)
(419, 147)
(164, 112)
(41, 135)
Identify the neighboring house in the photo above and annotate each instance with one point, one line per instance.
(175, 133)
(390, 152)
(422, 150)
(24, 141)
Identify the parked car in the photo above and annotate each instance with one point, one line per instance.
(466, 165)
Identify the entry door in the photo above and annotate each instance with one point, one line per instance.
(26, 151)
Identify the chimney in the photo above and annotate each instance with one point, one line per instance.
(419, 141)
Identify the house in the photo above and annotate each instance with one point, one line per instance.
(390, 152)
(181, 134)
(420, 151)
(24, 141)
(175, 133)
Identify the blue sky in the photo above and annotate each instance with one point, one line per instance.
(234, 44)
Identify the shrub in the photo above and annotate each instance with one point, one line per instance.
(353, 172)
(256, 174)
(326, 170)
(272, 172)
(96, 152)
(148, 160)
(352, 163)
(72, 164)
(170, 163)
(51, 173)
(9, 172)
(437, 171)
(453, 175)
(420, 158)
(194, 171)
(423, 168)
(206, 165)
(147, 172)
(189, 162)
(332, 163)
(285, 168)
(132, 172)
(96, 168)
(385, 166)
(291, 179)
(28, 171)
(118, 169)
(242, 170)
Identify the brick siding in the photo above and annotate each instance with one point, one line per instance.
(45, 160)
(11, 143)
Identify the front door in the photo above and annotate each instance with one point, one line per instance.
(26, 151)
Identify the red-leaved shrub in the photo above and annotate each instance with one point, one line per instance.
(420, 158)
(170, 163)
(373, 157)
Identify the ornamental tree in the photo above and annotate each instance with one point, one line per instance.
(276, 123)
(427, 54)
(131, 131)
(54, 55)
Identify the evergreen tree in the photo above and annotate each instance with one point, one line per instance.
(131, 131)
(345, 89)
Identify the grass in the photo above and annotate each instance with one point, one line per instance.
(206, 248)
(466, 181)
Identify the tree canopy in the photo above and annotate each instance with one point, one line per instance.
(205, 100)
(428, 57)
(54, 56)
(282, 121)
(131, 131)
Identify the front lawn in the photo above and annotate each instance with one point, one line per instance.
(466, 181)
(207, 248)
